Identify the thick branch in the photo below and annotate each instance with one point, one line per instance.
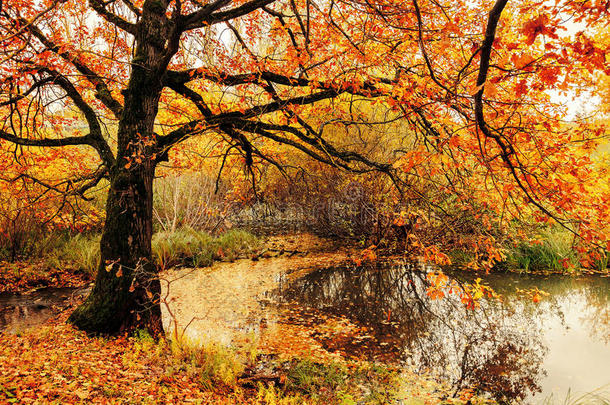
(88, 182)
(48, 142)
(21, 96)
(486, 48)
(208, 15)
(317, 143)
(185, 76)
(367, 89)
(226, 118)
(95, 135)
(100, 8)
(506, 148)
(196, 17)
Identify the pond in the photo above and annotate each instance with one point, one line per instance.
(514, 348)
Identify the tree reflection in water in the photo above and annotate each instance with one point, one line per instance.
(493, 348)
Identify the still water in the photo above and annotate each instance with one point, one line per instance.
(21, 311)
(516, 350)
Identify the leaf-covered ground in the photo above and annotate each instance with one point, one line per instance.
(57, 364)
(26, 275)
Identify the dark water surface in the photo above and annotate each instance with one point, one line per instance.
(517, 350)
(21, 311)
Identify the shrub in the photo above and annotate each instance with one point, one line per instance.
(20, 231)
(188, 201)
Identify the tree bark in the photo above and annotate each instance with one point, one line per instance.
(127, 289)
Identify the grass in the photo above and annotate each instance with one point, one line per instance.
(188, 247)
(553, 252)
(81, 252)
(311, 378)
(62, 259)
(600, 396)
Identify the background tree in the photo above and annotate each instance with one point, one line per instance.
(288, 72)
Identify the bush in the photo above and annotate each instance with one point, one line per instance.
(336, 205)
(34, 228)
(188, 201)
(20, 232)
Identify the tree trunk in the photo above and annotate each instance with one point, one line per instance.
(127, 289)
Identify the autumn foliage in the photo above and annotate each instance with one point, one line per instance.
(465, 110)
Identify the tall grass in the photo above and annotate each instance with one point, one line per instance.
(211, 364)
(601, 263)
(183, 247)
(81, 252)
(554, 252)
(188, 247)
(600, 396)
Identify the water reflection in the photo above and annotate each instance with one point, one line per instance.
(502, 348)
(21, 311)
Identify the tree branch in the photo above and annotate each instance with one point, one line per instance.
(95, 137)
(100, 8)
(47, 142)
(368, 88)
(102, 91)
(208, 15)
(506, 148)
